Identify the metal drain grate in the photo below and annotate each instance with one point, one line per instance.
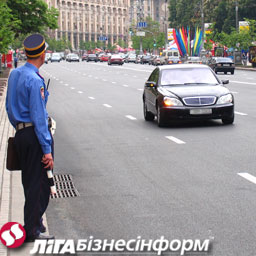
(64, 186)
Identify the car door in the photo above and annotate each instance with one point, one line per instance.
(151, 92)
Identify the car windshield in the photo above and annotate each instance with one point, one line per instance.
(115, 57)
(188, 76)
(74, 55)
(92, 55)
(227, 60)
(55, 55)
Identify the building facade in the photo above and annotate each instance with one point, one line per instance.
(107, 20)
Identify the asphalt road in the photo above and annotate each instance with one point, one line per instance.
(137, 179)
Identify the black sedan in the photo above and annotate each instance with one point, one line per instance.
(221, 64)
(92, 57)
(186, 91)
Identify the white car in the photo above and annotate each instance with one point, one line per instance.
(56, 57)
(72, 57)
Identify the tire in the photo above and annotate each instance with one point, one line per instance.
(159, 117)
(232, 72)
(148, 116)
(225, 72)
(228, 120)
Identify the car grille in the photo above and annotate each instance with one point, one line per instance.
(199, 101)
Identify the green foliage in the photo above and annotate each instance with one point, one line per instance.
(34, 16)
(152, 33)
(6, 26)
(58, 45)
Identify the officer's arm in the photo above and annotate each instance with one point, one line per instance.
(39, 116)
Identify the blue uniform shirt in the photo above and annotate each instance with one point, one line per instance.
(26, 102)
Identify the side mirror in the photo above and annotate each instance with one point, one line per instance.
(150, 84)
(225, 81)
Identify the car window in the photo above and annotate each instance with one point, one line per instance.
(188, 75)
(154, 76)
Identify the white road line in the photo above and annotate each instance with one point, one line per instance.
(90, 75)
(96, 77)
(61, 82)
(105, 80)
(240, 113)
(91, 98)
(131, 117)
(248, 176)
(57, 79)
(178, 141)
(72, 88)
(107, 106)
(80, 92)
(125, 85)
(66, 84)
(113, 82)
(238, 82)
(140, 89)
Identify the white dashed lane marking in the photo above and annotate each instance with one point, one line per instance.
(140, 89)
(240, 113)
(66, 84)
(125, 85)
(113, 82)
(91, 98)
(80, 92)
(178, 141)
(248, 177)
(72, 88)
(107, 106)
(131, 117)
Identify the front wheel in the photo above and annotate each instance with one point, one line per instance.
(228, 120)
(160, 117)
(232, 72)
(148, 116)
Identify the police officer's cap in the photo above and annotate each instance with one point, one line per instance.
(34, 45)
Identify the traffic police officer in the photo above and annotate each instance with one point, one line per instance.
(26, 101)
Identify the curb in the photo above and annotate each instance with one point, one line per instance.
(249, 69)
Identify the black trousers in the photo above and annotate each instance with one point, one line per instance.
(34, 179)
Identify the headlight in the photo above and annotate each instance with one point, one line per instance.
(172, 102)
(228, 98)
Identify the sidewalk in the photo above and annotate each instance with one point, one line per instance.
(11, 190)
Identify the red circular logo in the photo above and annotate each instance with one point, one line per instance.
(12, 234)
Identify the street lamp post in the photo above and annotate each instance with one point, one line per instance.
(237, 26)
(202, 16)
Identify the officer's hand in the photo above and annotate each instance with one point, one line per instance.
(48, 161)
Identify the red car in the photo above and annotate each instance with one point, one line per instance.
(115, 59)
(104, 58)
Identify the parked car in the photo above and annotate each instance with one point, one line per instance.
(221, 64)
(187, 91)
(138, 59)
(156, 61)
(115, 59)
(72, 57)
(56, 57)
(104, 58)
(131, 58)
(145, 59)
(92, 57)
(84, 57)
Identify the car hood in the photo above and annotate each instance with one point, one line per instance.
(190, 90)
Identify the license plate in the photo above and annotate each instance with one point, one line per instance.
(201, 111)
(226, 65)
